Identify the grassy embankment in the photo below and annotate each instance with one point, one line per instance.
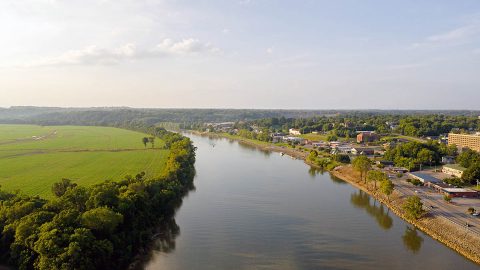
(86, 155)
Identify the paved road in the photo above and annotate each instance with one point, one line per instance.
(456, 211)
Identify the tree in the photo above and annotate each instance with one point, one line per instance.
(60, 188)
(145, 141)
(362, 164)
(152, 141)
(387, 186)
(472, 174)
(447, 198)
(342, 158)
(413, 207)
(101, 219)
(425, 156)
(376, 176)
(468, 157)
(312, 156)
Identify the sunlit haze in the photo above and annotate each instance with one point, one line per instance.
(241, 54)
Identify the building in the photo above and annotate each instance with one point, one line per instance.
(362, 151)
(426, 179)
(389, 145)
(448, 160)
(385, 163)
(320, 144)
(294, 131)
(334, 144)
(453, 169)
(294, 139)
(465, 140)
(277, 139)
(398, 169)
(367, 136)
(460, 192)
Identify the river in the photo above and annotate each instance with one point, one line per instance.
(258, 210)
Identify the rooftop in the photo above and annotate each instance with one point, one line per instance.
(426, 177)
(455, 167)
(457, 190)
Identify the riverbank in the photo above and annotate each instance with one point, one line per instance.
(295, 153)
(452, 235)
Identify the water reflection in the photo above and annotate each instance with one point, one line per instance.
(244, 145)
(165, 240)
(166, 232)
(313, 172)
(412, 240)
(381, 213)
(337, 180)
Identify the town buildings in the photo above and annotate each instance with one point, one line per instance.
(294, 131)
(465, 140)
(460, 192)
(367, 136)
(362, 151)
(453, 170)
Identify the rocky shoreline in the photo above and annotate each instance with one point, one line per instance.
(452, 235)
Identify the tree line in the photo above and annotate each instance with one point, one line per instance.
(346, 125)
(98, 227)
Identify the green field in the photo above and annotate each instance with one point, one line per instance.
(32, 158)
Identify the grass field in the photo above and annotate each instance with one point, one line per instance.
(32, 158)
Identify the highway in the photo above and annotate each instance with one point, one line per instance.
(456, 211)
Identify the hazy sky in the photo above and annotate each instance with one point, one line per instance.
(404, 54)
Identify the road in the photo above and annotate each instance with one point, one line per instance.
(456, 211)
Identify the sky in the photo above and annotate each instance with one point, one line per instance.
(275, 54)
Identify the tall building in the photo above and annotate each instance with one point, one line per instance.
(367, 136)
(465, 140)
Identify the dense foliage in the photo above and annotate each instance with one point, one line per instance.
(347, 124)
(413, 207)
(413, 154)
(98, 227)
(341, 123)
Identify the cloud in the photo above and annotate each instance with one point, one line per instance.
(93, 55)
(185, 46)
(269, 50)
(453, 37)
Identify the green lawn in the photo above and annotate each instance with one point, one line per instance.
(410, 138)
(314, 137)
(86, 155)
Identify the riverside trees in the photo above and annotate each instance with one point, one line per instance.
(362, 164)
(413, 207)
(98, 227)
(386, 185)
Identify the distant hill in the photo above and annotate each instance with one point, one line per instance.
(119, 115)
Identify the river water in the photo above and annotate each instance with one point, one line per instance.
(259, 210)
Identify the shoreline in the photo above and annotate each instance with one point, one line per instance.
(454, 236)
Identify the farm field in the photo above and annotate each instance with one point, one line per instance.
(32, 158)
